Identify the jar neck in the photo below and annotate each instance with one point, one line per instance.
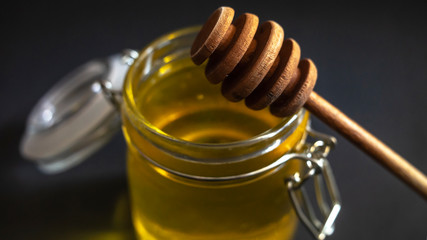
(210, 161)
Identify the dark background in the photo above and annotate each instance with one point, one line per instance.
(372, 62)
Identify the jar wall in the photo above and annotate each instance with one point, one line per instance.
(164, 208)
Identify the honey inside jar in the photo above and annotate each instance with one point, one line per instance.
(175, 120)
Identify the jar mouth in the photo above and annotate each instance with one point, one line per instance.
(285, 127)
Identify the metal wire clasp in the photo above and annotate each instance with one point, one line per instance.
(316, 166)
(112, 86)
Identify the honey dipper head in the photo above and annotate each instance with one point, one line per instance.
(254, 63)
(211, 34)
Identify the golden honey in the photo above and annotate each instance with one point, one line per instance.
(177, 126)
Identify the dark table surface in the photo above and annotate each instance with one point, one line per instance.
(372, 63)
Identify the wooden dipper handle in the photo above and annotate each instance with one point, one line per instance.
(260, 66)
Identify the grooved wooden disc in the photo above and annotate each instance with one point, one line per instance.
(222, 63)
(271, 88)
(241, 82)
(211, 34)
(287, 105)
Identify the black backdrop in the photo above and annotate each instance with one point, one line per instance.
(372, 62)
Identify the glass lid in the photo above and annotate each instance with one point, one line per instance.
(76, 116)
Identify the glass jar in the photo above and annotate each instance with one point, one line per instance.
(199, 166)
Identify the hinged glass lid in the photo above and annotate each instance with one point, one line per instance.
(75, 117)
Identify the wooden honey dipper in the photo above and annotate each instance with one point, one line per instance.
(258, 65)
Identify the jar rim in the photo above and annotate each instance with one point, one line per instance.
(287, 125)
